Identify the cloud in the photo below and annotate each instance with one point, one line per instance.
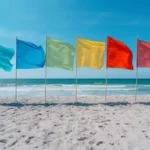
(132, 22)
(103, 16)
(114, 18)
(5, 33)
(99, 18)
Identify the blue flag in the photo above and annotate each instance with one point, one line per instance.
(29, 55)
(6, 55)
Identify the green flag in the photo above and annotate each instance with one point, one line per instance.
(59, 54)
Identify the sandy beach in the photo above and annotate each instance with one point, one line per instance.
(120, 123)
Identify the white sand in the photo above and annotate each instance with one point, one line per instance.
(113, 125)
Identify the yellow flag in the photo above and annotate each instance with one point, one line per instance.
(90, 53)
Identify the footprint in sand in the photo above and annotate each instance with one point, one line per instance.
(89, 148)
(92, 142)
(29, 139)
(13, 143)
(82, 138)
(100, 142)
(123, 136)
(111, 143)
(3, 141)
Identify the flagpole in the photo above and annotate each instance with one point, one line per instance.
(16, 74)
(106, 70)
(46, 69)
(76, 74)
(76, 85)
(136, 69)
(106, 85)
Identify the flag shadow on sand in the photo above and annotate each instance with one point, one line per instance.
(111, 104)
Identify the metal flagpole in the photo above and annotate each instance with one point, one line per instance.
(76, 75)
(136, 69)
(45, 69)
(106, 85)
(16, 74)
(106, 69)
(76, 86)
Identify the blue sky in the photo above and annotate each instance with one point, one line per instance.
(66, 20)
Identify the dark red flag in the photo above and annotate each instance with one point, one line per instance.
(143, 54)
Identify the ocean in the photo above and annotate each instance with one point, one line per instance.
(67, 87)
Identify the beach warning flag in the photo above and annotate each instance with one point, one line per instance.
(90, 53)
(29, 55)
(118, 55)
(143, 54)
(6, 55)
(59, 54)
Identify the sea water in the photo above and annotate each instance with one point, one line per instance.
(68, 87)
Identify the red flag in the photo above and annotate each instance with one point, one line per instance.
(143, 54)
(118, 55)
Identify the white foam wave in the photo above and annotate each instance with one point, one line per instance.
(144, 85)
(87, 85)
(71, 87)
(65, 89)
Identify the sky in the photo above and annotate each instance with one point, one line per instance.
(33, 20)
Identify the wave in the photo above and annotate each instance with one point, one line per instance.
(66, 89)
